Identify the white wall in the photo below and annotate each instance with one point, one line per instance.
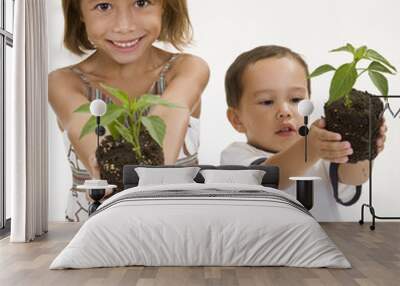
(225, 28)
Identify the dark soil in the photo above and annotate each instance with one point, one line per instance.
(353, 123)
(113, 155)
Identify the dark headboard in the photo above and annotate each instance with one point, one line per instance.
(270, 179)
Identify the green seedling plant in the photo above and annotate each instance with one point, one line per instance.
(346, 75)
(128, 119)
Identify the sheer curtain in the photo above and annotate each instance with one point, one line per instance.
(27, 123)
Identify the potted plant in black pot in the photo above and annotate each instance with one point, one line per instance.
(347, 110)
(133, 137)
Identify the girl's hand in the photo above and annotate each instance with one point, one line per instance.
(380, 142)
(95, 173)
(94, 167)
(327, 145)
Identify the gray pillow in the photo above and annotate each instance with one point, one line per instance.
(248, 177)
(161, 176)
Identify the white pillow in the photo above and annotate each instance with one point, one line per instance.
(248, 177)
(161, 176)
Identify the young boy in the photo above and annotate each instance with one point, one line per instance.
(263, 88)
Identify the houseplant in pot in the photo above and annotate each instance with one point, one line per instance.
(133, 136)
(347, 110)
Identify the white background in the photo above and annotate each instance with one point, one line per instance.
(225, 28)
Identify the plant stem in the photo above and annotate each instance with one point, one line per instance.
(139, 127)
(347, 101)
(136, 143)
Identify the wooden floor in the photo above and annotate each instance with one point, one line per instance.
(375, 257)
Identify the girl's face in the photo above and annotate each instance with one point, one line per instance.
(122, 29)
(267, 113)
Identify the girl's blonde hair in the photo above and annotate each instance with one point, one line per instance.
(176, 28)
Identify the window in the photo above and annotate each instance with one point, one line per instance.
(6, 45)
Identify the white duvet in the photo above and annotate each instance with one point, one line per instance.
(185, 230)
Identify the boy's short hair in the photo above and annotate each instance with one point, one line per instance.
(233, 77)
(175, 28)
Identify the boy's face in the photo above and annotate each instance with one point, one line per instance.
(267, 112)
(123, 29)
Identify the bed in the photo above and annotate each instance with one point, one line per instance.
(201, 223)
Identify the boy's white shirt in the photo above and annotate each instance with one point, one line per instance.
(325, 206)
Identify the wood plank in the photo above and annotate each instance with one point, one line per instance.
(375, 257)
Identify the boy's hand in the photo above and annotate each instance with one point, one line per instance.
(327, 145)
(380, 143)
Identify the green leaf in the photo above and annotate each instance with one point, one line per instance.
(348, 48)
(374, 55)
(90, 126)
(360, 53)
(148, 100)
(379, 81)
(156, 127)
(124, 132)
(342, 82)
(113, 131)
(377, 66)
(111, 127)
(113, 112)
(84, 108)
(321, 70)
(117, 93)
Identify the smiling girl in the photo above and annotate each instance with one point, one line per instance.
(120, 37)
